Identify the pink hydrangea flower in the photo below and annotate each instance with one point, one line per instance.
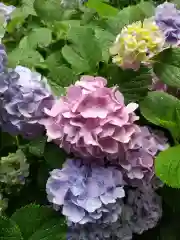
(92, 120)
(138, 163)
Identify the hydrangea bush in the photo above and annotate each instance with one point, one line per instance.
(89, 123)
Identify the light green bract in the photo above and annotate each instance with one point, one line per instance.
(14, 168)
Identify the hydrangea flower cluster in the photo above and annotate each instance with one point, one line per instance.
(140, 212)
(92, 120)
(137, 43)
(87, 193)
(23, 96)
(14, 168)
(108, 192)
(167, 17)
(138, 163)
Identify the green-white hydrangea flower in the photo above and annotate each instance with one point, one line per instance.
(137, 43)
(14, 168)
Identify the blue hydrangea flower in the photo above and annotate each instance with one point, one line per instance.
(23, 97)
(167, 17)
(87, 193)
(141, 211)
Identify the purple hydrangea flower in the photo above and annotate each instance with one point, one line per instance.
(93, 231)
(86, 193)
(23, 97)
(167, 17)
(140, 212)
(138, 163)
(146, 209)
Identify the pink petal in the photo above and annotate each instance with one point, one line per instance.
(121, 135)
(94, 112)
(57, 108)
(70, 130)
(108, 130)
(108, 145)
(54, 131)
(73, 93)
(131, 107)
(146, 161)
(88, 138)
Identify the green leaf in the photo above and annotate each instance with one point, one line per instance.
(84, 53)
(41, 37)
(9, 230)
(19, 15)
(170, 231)
(133, 84)
(54, 156)
(17, 19)
(167, 166)
(42, 175)
(129, 15)
(163, 110)
(36, 146)
(56, 89)
(59, 73)
(6, 140)
(31, 217)
(167, 67)
(28, 7)
(87, 16)
(103, 9)
(171, 197)
(62, 75)
(105, 40)
(54, 60)
(48, 10)
(79, 64)
(146, 8)
(61, 28)
(53, 229)
(177, 3)
(25, 57)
